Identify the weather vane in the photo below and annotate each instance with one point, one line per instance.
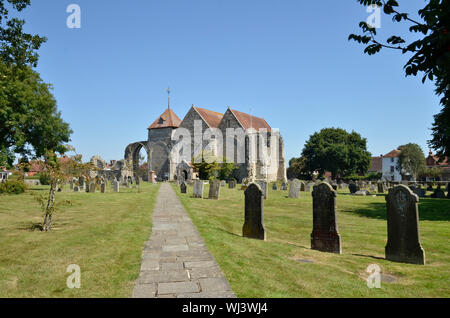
(168, 96)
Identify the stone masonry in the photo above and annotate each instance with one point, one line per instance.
(176, 262)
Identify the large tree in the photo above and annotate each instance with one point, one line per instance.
(411, 160)
(430, 55)
(30, 121)
(337, 151)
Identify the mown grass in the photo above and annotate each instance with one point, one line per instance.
(102, 233)
(285, 266)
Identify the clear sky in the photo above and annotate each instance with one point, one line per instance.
(288, 61)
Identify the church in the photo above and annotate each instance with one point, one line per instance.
(258, 155)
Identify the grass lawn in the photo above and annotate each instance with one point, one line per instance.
(102, 233)
(285, 266)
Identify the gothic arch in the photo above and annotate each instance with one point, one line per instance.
(132, 156)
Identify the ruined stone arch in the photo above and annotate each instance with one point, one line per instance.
(132, 156)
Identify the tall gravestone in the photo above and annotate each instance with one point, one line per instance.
(284, 186)
(254, 213)
(81, 182)
(274, 187)
(214, 189)
(116, 186)
(294, 189)
(198, 189)
(103, 187)
(380, 187)
(403, 227)
(183, 187)
(353, 188)
(325, 236)
(302, 186)
(232, 184)
(92, 187)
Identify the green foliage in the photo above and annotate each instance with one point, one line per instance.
(211, 167)
(430, 55)
(433, 173)
(337, 151)
(297, 169)
(371, 176)
(411, 160)
(13, 187)
(44, 178)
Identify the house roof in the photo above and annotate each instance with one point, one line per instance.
(376, 164)
(433, 160)
(249, 121)
(212, 118)
(393, 154)
(166, 120)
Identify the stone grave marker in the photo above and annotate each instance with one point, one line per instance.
(263, 185)
(232, 184)
(198, 189)
(103, 187)
(92, 187)
(284, 186)
(183, 187)
(274, 187)
(403, 227)
(254, 213)
(214, 189)
(116, 186)
(325, 236)
(294, 189)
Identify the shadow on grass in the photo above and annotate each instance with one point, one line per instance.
(429, 210)
(370, 256)
(32, 226)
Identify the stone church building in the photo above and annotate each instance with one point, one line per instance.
(167, 163)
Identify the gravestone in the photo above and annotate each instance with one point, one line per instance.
(214, 189)
(76, 189)
(183, 187)
(254, 213)
(430, 187)
(438, 194)
(294, 189)
(362, 193)
(418, 191)
(232, 184)
(284, 186)
(198, 189)
(103, 187)
(81, 182)
(403, 227)
(325, 236)
(222, 183)
(274, 187)
(86, 188)
(380, 187)
(92, 187)
(71, 184)
(263, 185)
(116, 186)
(353, 188)
(302, 186)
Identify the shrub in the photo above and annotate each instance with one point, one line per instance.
(44, 178)
(13, 187)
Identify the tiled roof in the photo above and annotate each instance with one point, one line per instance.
(167, 119)
(393, 154)
(249, 121)
(212, 118)
(376, 164)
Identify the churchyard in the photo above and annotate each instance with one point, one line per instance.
(103, 233)
(284, 265)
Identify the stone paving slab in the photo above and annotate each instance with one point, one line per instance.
(175, 261)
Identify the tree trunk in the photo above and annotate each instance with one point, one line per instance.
(47, 226)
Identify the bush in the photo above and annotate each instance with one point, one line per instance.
(13, 187)
(44, 178)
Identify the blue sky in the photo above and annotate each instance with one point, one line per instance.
(288, 61)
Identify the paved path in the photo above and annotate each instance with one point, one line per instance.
(176, 261)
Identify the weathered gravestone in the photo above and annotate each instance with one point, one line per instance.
(232, 184)
(284, 186)
(254, 213)
(438, 194)
(92, 187)
(403, 227)
(294, 189)
(71, 184)
(325, 236)
(81, 182)
(274, 187)
(353, 188)
(116, 186)
(103, 187)
(263, 185)
(76, 189)
(223, 183)
(302, 186)
(214, 189)
(380, 187)
(198, 189)
(417, 190)
(183, 187)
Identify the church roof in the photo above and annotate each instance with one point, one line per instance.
(249, 121)
(212, 118)
(166, 120)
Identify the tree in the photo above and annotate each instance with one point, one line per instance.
(430, 55)
(59, 171)
(337, 151)
(31, 124)
(211, 167)
(296, 168)
(411, 160)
